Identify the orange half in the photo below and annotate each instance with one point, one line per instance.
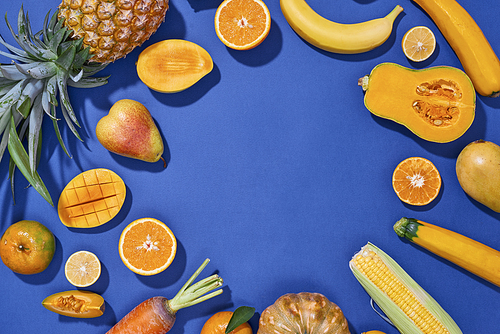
(147, 246)
(242, 24)
(416, 181)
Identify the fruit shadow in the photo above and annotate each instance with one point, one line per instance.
(491, 102)
(263, 53)
(484, 208)
(170, 276)
(191, 94)
(108, 318)
(429, 206)
(198, 5)
(48, 274)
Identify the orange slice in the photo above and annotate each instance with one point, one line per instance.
(242, 24)
(82, 269)
(147, 246)
(418, 43)
(91, 199)
(416, 181)
(218, 322)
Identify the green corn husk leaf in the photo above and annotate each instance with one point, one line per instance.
(397, 316)
(20, 157)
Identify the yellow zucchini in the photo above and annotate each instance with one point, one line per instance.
(469, 43)
(467, 253)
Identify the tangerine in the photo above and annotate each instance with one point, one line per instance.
(416, 181)
(27, 247)
(218, 322)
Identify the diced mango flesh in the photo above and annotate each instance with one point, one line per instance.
(92, 198)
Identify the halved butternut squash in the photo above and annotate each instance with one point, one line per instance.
(173, 65)
(91, 199)
(437, 103)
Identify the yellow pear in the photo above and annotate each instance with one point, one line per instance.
(130, 131)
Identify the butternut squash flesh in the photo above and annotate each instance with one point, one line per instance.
(91, 199)
(173, 65)
(437, 103)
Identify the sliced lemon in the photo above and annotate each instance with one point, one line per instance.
(419, 43)
(82, 268)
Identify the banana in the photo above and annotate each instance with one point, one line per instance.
(337, 37)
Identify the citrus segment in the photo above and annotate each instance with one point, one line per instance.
(242, 24)
(82, 269)
(147, 246)
(416, 181)
(419, 43)
(218, 322)
(91, 199)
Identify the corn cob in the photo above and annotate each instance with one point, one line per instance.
(409, 307)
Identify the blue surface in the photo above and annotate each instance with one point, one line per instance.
(276, 172)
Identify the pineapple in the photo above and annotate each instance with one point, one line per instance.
(76, 42)
(112, 28)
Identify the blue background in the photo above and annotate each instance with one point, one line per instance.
(276, 172)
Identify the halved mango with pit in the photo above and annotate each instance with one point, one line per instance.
(75, 303)
(91, 199)
(173, 65)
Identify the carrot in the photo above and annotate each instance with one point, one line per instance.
(156, 315)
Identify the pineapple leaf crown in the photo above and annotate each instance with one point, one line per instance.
(43, 65)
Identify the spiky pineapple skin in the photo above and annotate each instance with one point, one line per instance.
(112, 28)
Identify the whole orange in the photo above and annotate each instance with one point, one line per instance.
(217, 324)
(27, 247)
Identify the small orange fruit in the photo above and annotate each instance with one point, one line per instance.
(27, 247)
(242, 24)
(147, 246)
(218, 322)
(82, 269)
(418, 43)
(416, 181)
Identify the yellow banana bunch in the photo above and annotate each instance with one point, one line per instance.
(337, 37)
